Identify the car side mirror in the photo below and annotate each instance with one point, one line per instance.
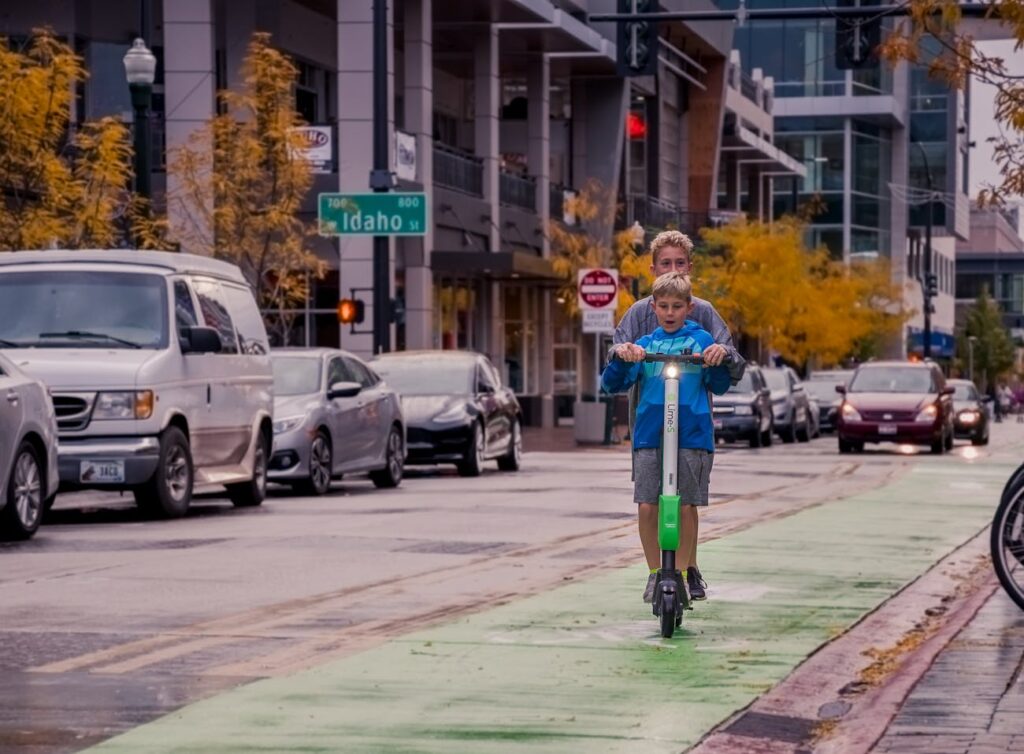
(948, 390)
(201, 340)
(841, 389)
(344, 390)
(484, 388)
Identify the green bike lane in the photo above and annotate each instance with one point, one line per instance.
(582, 667)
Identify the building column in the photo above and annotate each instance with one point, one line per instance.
(239, 25)
(419, 111)
(355, 153)
(538, 89)
(189, 92)
(598, 133)
(487, 101)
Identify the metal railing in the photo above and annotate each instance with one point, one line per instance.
(518, 190)
(656, 215)
(748, 88)
(458, 170)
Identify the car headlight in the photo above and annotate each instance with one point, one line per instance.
(127, 404)
(288, 424)
(850, 413)
(453, 414)
(927, 414)
(743, 410)
(969, 417)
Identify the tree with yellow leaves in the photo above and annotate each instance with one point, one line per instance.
(242, 182)
(769, 287)
(935, 35)
(62, 184)
(581, 247)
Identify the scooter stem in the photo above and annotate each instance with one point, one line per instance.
(668, 502)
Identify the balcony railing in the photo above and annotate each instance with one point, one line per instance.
(656, 215)
(518, 190)
(458, 170)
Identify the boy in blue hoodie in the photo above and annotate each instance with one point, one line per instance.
(672, 302)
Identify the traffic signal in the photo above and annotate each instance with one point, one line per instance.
(931, 283)
(351, 311)
(637, 48)
(857, 37)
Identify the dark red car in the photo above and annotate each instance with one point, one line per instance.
(896, 401)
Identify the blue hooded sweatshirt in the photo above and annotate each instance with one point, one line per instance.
(696, 426)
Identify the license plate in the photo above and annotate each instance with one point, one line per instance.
(886, 429)
(718, 424)
(101, 472)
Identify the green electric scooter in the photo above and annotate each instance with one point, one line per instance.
(671, 597)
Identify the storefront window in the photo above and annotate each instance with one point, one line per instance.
(455, 302)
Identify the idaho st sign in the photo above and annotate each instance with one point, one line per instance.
(383, 214)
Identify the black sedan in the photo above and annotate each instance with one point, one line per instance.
(456, 409)
(822, 387)
(970, 419)
(745, 412)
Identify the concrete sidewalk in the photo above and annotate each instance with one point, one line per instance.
(581, 668)
(971, 701)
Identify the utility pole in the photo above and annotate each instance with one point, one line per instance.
(929, 286)
(380, 178)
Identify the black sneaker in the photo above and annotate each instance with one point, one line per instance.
(696, 584)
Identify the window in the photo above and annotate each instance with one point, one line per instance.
(486, 379)
(338, 371)
(362, 375)
(184, 310)
(216, 313)
(252, 336)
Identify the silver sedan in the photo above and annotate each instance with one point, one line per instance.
(28, 452)
(333, 415)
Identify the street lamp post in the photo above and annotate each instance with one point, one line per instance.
(927, 335)
(140, 70)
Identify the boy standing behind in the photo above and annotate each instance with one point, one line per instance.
(672, 302)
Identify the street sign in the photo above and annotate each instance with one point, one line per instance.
(598, 293)
(383, 214)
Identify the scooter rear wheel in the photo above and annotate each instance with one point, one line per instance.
(668, 615)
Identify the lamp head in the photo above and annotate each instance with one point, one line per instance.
(140, 64)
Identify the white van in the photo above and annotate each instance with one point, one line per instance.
(159, 368)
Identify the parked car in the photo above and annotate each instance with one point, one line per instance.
(789, 404)
(28, 452)
(745, 412)
(158, 365)
(456, 409)
(970, 417)
(821, 386)
(896, 401)
(333, 415)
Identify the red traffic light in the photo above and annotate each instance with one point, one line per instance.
(350, 311)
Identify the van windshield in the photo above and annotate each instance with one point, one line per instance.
(65, 308)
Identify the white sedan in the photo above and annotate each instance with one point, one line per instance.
(28, 452)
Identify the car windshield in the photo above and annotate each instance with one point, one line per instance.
(421, 377)
(823, 390)
(892, 380)
(965, 393)
(296, 375)
(62, 308)
(745, 385)
(776, 379)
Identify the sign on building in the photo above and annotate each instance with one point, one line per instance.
(405, 156)
(317, 147)
(383, 214)
(598, 295)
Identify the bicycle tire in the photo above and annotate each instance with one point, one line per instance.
(1016, 479)
(1007, 541)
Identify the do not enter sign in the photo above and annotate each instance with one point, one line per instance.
(598, 298)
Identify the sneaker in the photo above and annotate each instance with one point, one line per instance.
(696, 584)
(649, 591)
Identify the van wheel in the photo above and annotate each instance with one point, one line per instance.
(23, 512)
(168, 493)
(252, 493)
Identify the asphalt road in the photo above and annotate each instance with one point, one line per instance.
(109, 621)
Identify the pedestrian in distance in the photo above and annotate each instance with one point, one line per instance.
(671, 252)
(672, 303)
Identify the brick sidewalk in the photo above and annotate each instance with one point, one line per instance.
(971, 701)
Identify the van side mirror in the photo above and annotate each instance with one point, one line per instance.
(200, 340)
(841, 389)
(344, 390)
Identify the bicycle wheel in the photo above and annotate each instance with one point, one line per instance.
(1007, 544)
(1015, 480)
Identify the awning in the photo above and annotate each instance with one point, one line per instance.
(502, 265)
(746, 145)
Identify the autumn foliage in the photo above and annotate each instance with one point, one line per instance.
(61, 185)
(793, 300)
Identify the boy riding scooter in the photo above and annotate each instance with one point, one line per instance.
(672, 302)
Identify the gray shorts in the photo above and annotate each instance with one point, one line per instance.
(694, 475)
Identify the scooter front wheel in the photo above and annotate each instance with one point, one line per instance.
(668, 615)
